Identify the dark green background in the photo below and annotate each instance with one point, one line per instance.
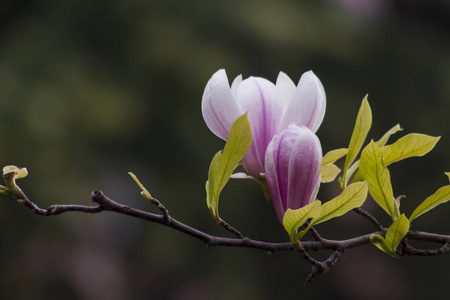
(90, 90)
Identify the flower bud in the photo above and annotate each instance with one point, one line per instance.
(292, 168)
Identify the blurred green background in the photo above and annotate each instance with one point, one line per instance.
(92, 89)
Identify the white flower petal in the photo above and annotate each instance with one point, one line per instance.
(285, 90)
(234, 86)
(219, 107)
(308, 104)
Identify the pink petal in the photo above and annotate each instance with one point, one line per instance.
(293, 161)
(219, 107)
(304, 172)
(308, 104)
(256, 95)
(272, 180)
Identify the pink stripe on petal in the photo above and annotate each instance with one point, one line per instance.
(273, 180)
(293, 162)
(304, 172)
(256, 95)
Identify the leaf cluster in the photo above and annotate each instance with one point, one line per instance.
(365, 171)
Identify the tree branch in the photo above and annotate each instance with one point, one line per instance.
(369, 217)
(320, 243)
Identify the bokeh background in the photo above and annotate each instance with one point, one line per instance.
(92, 89)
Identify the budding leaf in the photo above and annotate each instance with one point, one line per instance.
(362, 127)
(224, 162)
(381, 142)
(293, 219)
(378, 178)
(328, 172)
(410, 145)
(442, 195)
(145, 193)
(352, 197)
(394, 236)
(334, 155)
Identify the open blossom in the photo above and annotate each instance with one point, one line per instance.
(293, 161)
(271, 108)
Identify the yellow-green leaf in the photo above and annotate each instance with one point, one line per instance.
(333, 156)
(380, 242)
(328, 172)
(442, 195)
(413, 144)
(293, 219)
(378, 178)
(360, 131)
(145, 193)
(224, 163)
(381, 142)
(352, 197)
(394, 236)
(397, 232)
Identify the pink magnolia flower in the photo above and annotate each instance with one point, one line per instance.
(292, 164)
(271, 108)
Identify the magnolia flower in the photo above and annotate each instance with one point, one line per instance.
(271, 108)
(293, 161)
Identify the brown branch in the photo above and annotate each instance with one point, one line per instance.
(369, 217)
(313, 232)
(231, 229)
(320, 243)
(324, 267)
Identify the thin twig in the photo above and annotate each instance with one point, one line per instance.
(231, 229)
(408, 250)
(324, 266)
(369, 217)
(314, 232)
(161, 207)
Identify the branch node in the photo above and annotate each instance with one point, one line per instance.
(100, 198)
(320, 268)
(162, 208)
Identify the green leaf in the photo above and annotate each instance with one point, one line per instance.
(397, 231)
(352, 197)
(362, 127)
(328, 172)
(334, 155)
(224, 163)
(380, 242)
(378, 178)
(265, 189)
(293, 219)
(410, 145)
(381, 142)
(394, 236)
(442, 195)
(145, 193)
